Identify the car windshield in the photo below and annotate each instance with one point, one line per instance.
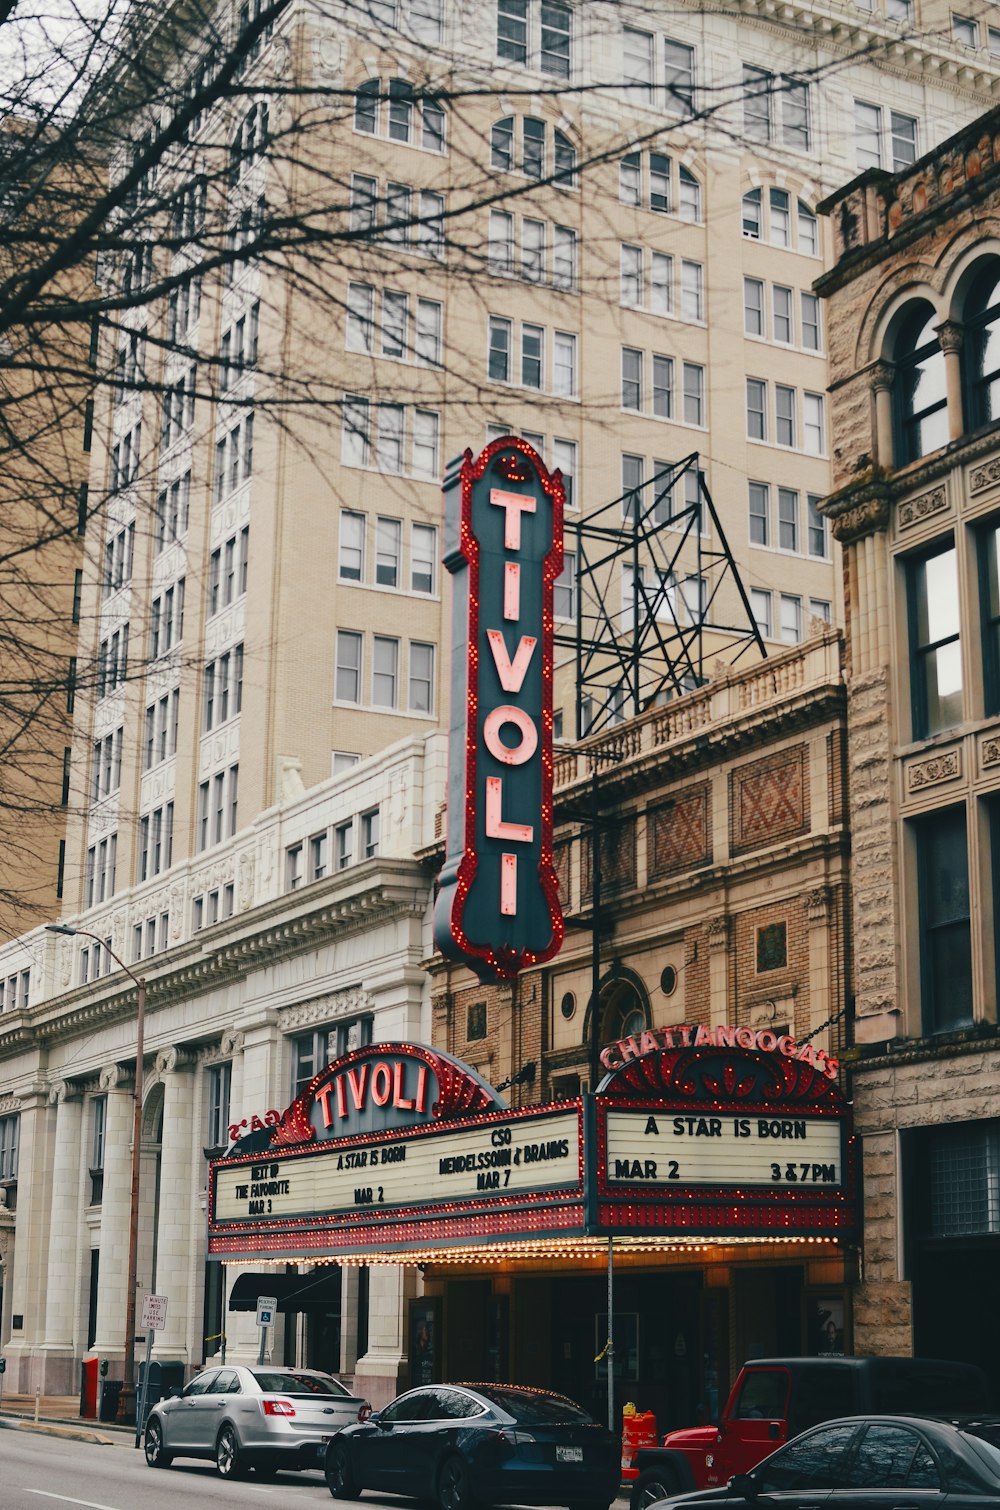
(285, 1382)
(530, 1409)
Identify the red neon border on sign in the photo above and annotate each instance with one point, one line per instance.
(506, 962)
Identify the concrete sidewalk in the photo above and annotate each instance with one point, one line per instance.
(58, 1415)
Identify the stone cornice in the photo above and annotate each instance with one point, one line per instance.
(380, 889)
(860, 509)
(983, 1036)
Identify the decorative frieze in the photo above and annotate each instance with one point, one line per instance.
(982, 477)
(989, 751)
(913, 510)
(945, 765)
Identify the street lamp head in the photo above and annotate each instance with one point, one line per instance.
(61, 928)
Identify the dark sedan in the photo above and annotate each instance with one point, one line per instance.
(873, 1463)
(479, 1444)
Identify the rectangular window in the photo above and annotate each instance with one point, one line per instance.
(694, 394)
(631, 378)
(423, 557)
(564, 364)
(663, 387)
(633, 470)
(347, 676)
(784, 415)
(427, 343)
(351, 561)
(500, 247)
(385, 671)
(563, 258)
(661, 284)
(429, 230)
(808, 230)
(791, 619)
(512, 30)
(219, 1082)
(344, 844)
(753, 306)
(817, 527)
(757, 85)
(965, 31)
(760, 603)
(390, 437)
(678, 77)
(388, 551)
(499, 353)
(556, 38)
(533, 147)
(564, 589)
(395, 324)
(795, 114)
(784, 319)
(867, 135)
(355, 446)
(564, 457)
(945, 921)
(630, 276)
(756, 409)
(935, 646)
(533, 250)
(421, 677)
(759, 512)
(532, 338)
(780, 203)
(813, 425)
(364, 198)
(318, 858)
(370, 827)
(788, 519)
(820, 608)
(637, 65)
(293, 867)
(360, 306)
(692, 297)
(426, 428)
(903, 133)
(811, 339)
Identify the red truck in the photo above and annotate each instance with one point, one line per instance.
(774, 1399)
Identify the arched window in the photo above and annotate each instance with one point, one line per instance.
(689, 199)
(565, 159)
(502, 144)
(982, 347)
(623, 1011)
(366, 107)
(752, 215)
(920, 389)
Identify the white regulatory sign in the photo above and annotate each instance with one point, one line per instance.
(672, 1148)
(154, 1313)
(266, 1307)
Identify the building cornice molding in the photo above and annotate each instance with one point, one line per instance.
(297, 921)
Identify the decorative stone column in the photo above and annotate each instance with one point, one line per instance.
(718, 969)
(25, 1277)
(820, 978)
(61, 1286)
(950, 335)
(882, 376)
(254, 1090)
(109, 1339)
(378, 1376)
(180, 1153)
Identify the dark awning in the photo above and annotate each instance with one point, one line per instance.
(318, 1291)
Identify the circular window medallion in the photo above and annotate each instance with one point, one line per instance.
(568, 1005)
(668, 980)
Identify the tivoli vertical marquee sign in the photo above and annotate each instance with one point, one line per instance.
(498, 906)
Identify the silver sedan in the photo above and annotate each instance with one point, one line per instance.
(261, 1418)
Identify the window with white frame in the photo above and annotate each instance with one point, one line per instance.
(694, 394)
(791, 619)
(788, 519)
(388, 551)
(678, 77)
(217, 1090)
(319, 862)
(637, 65)
(423, 558)
(343, 842)
(427, 340)
(564, 589)
(756, 409)
(351, 554)
(775, 108)
(760, 521)
(421, 699)
(370, 834)
(536, 33)
(172, 505)
(385, 671)
(883, 138)
(760, 605)
(817, 527)
(347, 674)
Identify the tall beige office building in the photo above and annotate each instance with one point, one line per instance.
(594, 225)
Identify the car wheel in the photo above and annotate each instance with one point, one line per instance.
(454, 1488)
(229, 1455)
(652, 1486)
(339, 1472)
(153, 1444)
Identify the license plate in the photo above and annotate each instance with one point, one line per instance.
(569, 1454)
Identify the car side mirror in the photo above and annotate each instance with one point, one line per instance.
(171, 1392)
(745, 1485)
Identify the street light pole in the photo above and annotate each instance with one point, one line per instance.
(126, 1401)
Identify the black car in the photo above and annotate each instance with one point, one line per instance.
(479, 1444)
(873, 1463)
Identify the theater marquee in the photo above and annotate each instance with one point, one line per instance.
(398, 1149)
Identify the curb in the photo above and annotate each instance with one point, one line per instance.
(47, 1429)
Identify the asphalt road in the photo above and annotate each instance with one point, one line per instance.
(45, 1473)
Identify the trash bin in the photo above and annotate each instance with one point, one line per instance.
(109, 1399)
